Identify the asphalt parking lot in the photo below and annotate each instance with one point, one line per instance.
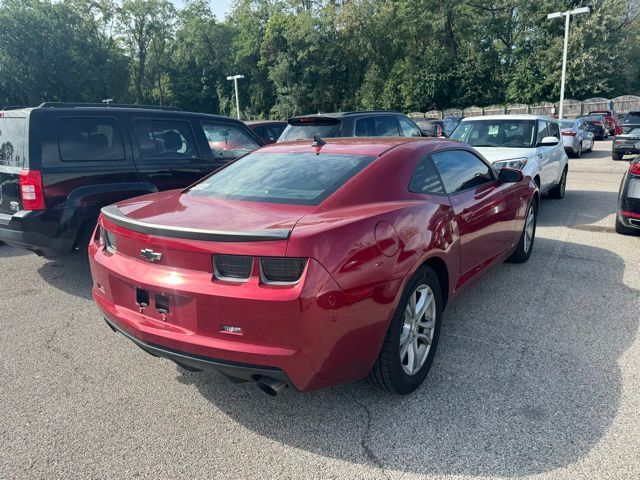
(537, 375)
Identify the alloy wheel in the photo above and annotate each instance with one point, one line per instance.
(418, 329)
(529, 228)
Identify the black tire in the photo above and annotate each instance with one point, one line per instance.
(616, 155)
(523, 250)
(557, 192)
(622, 229)
(388, 372)
(82, 241)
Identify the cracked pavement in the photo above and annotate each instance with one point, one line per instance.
(537, 376)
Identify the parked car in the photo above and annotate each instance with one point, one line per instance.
(268, 130)
(576, 137)
(611, 120)
(628, 214)
(530, 143)
(60, 163)
(628, 141)
(291, 266)
(595, 126)
(599, 125)
(437, 128)
(350, 124)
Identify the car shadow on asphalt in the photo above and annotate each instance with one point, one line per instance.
(526, 379)
(70, 274)
(7, 251)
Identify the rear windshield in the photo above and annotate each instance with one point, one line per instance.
(306, 128)
(631, 130)
(633, 117)
(566, 124)
(290, 178)
(496, 133)
(12, 133)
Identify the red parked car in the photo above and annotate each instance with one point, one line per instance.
(611, 119)
(268, 130)
(311, 265)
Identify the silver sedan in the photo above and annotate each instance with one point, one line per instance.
(576, 137)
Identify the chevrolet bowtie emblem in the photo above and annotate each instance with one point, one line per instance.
(150, 255)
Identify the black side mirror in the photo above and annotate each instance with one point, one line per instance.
(509, 175)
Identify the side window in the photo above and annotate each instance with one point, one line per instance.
(171, 139)
(89, 139)
(385, 126)
(554, 131)
(364, 127)
(543, 131)
(425, 179)
(461, 170)
(228, 141)
(409, 129)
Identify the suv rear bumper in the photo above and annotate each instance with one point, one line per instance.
(26, 229)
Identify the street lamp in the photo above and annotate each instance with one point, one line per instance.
(235, 81)
(567, 14)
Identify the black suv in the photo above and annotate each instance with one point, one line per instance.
(627, 142)
(350, 124)
(60, 163)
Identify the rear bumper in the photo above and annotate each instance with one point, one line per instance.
(309, 336)
(32, 231)
(235, 371)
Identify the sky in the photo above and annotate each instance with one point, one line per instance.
(219, 7)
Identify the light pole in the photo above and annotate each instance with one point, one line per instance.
(235, 82)
(567, 14)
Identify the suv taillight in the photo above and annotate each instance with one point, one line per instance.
(635, 168)
(31, 190)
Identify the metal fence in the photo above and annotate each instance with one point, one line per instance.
(572, 108)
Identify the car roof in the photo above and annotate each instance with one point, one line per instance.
(350, 145)
(511, 117)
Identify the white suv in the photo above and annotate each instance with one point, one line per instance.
(530, 143)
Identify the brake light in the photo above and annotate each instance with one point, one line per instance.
(569, 134)
(634, 168)
(31, 190)
(1, 114)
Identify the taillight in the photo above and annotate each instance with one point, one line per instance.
(634, 168)
(569, 134)
(31, 190)
(281, 270)
(235, 268)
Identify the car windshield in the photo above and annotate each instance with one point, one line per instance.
(633, 117)
(307, 128)
(289, 178)
(496, 133)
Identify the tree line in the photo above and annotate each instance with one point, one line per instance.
(302, 56)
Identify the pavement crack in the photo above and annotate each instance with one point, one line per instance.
(364, 439)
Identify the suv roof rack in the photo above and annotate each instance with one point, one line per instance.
(13, 107)
(355, 112)
(104, 105)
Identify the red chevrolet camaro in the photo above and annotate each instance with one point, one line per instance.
(310, 265)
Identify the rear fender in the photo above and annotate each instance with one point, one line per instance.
(83, 204)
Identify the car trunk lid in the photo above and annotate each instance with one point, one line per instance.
(187, 230)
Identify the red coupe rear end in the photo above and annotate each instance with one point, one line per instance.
(287, 266)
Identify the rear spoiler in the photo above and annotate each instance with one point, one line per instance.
(116, 216)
